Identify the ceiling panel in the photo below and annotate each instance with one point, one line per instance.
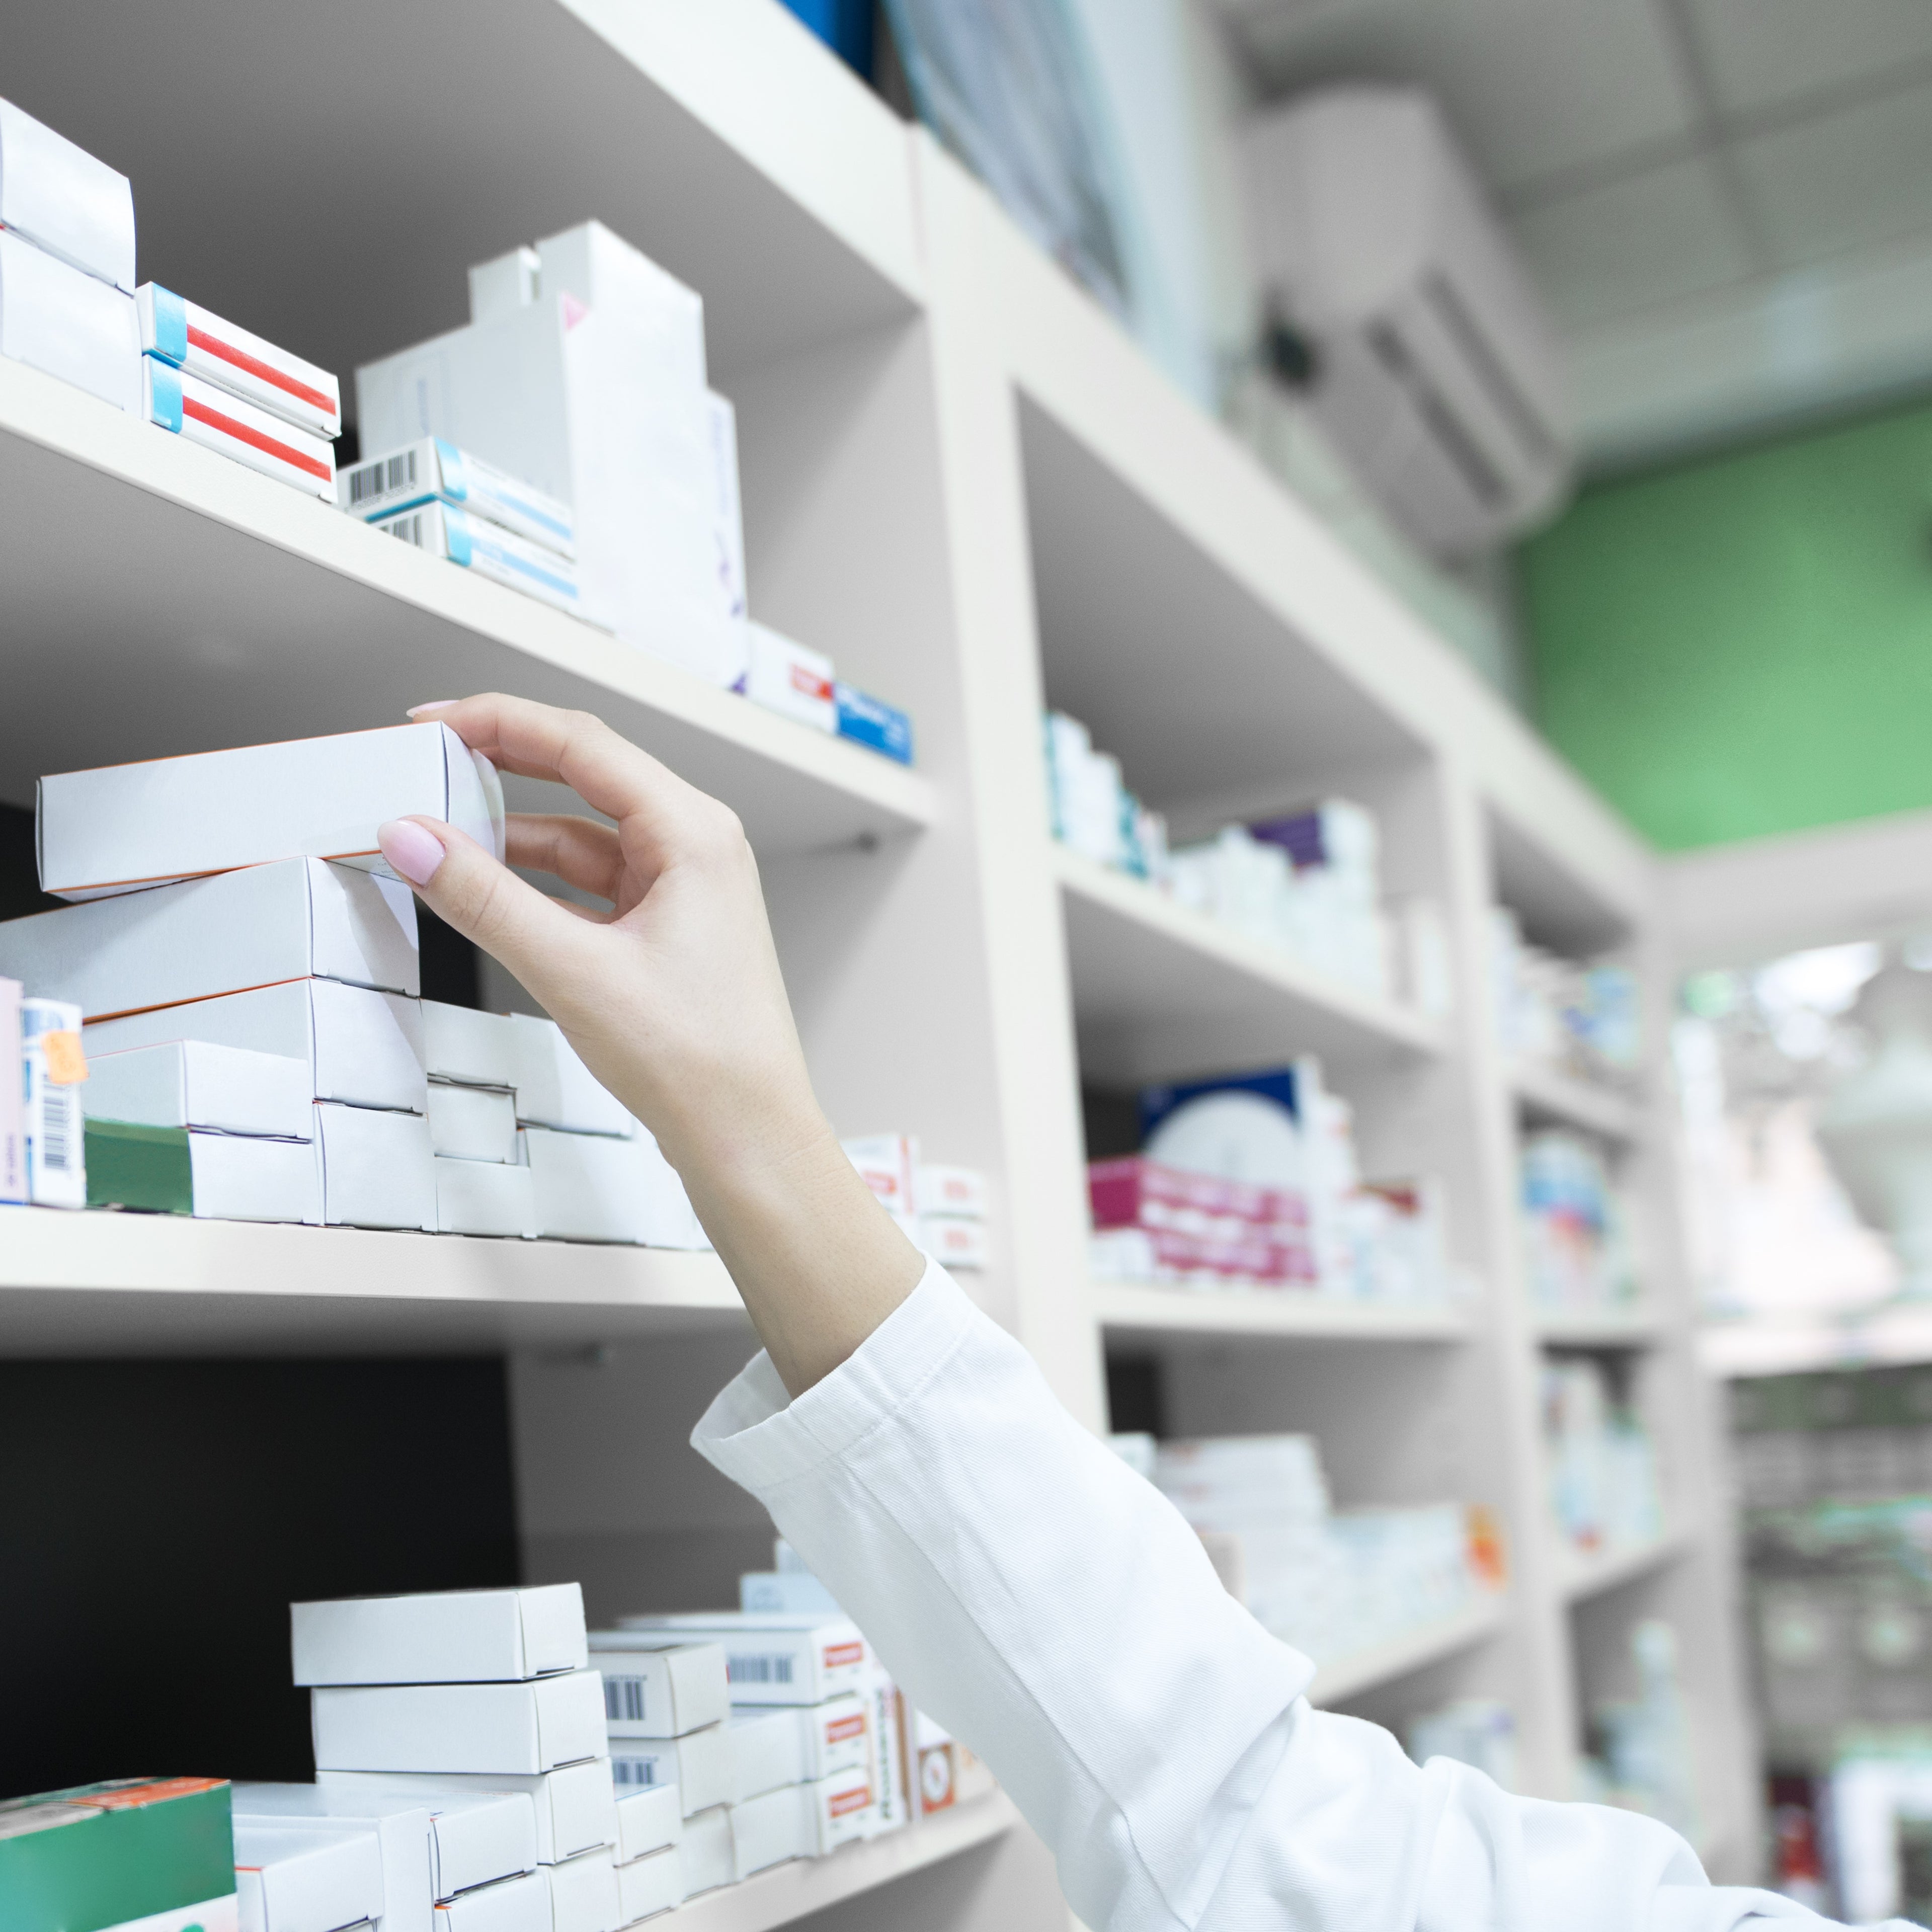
(1533, 88)
(1761, 52)
(1844, 180)
(1651, 237)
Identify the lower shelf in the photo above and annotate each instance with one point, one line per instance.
(1578, 1576)
(99, 1283)
(1348, 1677)
(1123, 1307)
(789, 1891)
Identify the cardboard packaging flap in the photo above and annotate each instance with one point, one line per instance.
(647, 1821)
(659, 1689)
(65, 201)
(472, 1048)
(377, 1171)
(191, 1084)
(121, 827)
(306, 1879)
(449, 1636)
(510, 1905)
(400, 1822)
(573, 1809)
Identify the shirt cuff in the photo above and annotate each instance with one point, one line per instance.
(757, 1436)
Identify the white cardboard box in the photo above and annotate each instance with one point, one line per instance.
(584, 1893)
(447, 1637)
(430, 470)
(789, 678)
(510, 1905)
(485, 1197)
(65, 323)
(243, 1177)
(504, 283)
(647, 1821)
(361, 1047)
(659, 1690)
(650, 1885)
(197, 412)
(377, 1171)
(699, 1764)
(121, 827)
(837, 1809)
(448, 531)
(706, 1849)
(197, 341)
(728, 512)
(555, 1089)
(953, 1242)
(472, 1122)
(401, 1823)
(575, 1808)
(471, 1049)
(767, 1830)
(475, 1837)
(886, 1162)
(299, 920)
(774, 1659)
(13, 1116)
(590, 1187)
(796, 1744)
(519, 1729)
(303, 1879)
(960, 1191)
(52, 1114)
(62, 198)
(223, 1089)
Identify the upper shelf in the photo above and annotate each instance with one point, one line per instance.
(1350, 1676)
(1161, 992)
(1549, 1099)
(159, 599)
(1579, 1576)
(1636, 1325)
(1130, 1309)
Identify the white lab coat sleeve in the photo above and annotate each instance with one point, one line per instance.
(1051, 1608)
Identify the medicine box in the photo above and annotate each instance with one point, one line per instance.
(377, 1171)
(699, 1764)
(306, 1877)
(555, 1089)
(400, 1822)
(257, 927)
(442, 530)
(52, 1073)
(361, 1048)
(584, 1893)
(471, 1049)
(575, 1809)
(766, 1830)
(728, 508)
(647, 1821)
(504, 284)
(959, 1191)
(472, 1122)
(871, 721)
(774, 1659)
(953, 1242)
(198, 412)
(225, 1089)
(786, 1592)
(66, 324)
(430, 470)
(190, 338)
(589, 1187)
(521, 1728)
(791, 679)
(64, 200)
(13, 1113)
(446, 1636)
(659, 1689)
(837, 1809)
(475, 1838)
(119, 828)
(485, 1197)
(649, 1884)
(214, 1177)
(707, 1850)
(510, 1905)
(775, 1744)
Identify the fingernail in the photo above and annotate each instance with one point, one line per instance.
(434, 704)
(412, 849)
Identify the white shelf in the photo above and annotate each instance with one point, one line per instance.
(789, 1891)
(1636, 1326)
(102, 1283)
(1580, 1576)
(1161, 991)
(1548, 1097)
(1127, 1308)
(1349, 1677)
(212, 606)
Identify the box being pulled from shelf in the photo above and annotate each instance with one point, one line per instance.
(654, 1689)
(443, 530)
(65, 200)
(192, 338)
(699, 1764)
(430, 470)
(574, 1809)
(773, 1659)
(519, 1729)
(223, 1089)
(485, 1197)
(64, 323)
(306, 1875)
(377, 1171)
(650, 1884)
(400, 1823)
(215, 1177)
(197, 412)
(121, 828)
(297, 919)
(439, 1637)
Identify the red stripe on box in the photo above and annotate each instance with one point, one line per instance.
(839, 1653)
(840, 1729)
(200, 338)
(241, 433)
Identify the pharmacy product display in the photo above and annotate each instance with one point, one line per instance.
(942, 1210)
(1556, 1014)
(1476, 1731)
(1576, 1241)
(1642, 1757)
(1254, 1181)
(1603, 1482)
(42, 1069)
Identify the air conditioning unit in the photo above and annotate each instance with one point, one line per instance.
(1436, 370)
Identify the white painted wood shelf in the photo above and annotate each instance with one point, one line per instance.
(1125, 1309)
(1580, 1576)
(1549, 1099)
(1637, 1326)
(1349, 1677)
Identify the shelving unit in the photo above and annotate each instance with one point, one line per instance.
(1589, 1575)
(964, 481)
(1547, 1098)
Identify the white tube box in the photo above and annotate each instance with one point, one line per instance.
(467, 1048)
(64, 323)
(190, 338)
(797, 1744)
(554, 1087)
(290, 1879)
(52, 1072)
(652, 1884)
(958, 1191)
(433, 471)
(244, 1178)
(787, 677)
(439, 1637)
(647, 1821)
(706, 1849)
(197, 412)
(575, 1809)
(767, 1830)
(699, 1764)
(485, 1197)
(361, 1047)
(222, 1090)
(63, 199)
(400, 1823)
(377, 1171)
(659, 1690)
(510, 1905)
(590, 1187)
(121, 827)
(472, 1122)
(838, 1809)
(297, 919)
(523, 1729)
(442, 530)
(774, 1659)
(584, 1893)
(953, 1242)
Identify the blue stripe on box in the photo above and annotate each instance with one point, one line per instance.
(456, 535)
(164, 394)
(454, 478)
(170, 325)
(871, 721)
(525, 568)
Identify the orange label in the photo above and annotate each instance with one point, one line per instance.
(840, 1729)
(157, 1792)
(856, 1799)
(67, 1065)
(839, 1653)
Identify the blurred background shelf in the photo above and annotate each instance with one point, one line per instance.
(1634, 1328)
(1556, 1099)
(1349, 1677)
(1581, 1576)
(1131, 1309)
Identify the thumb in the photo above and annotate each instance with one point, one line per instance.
(483, 900)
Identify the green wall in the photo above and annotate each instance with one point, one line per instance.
(1743, 645)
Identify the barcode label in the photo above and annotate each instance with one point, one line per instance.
(624, 1697)
(381, 479)
(59, 1105)
(765, 1667)
(639, 1772)
(409, 529)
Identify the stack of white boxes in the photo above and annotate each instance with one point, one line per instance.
(942, 1210)
(474, 1691)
